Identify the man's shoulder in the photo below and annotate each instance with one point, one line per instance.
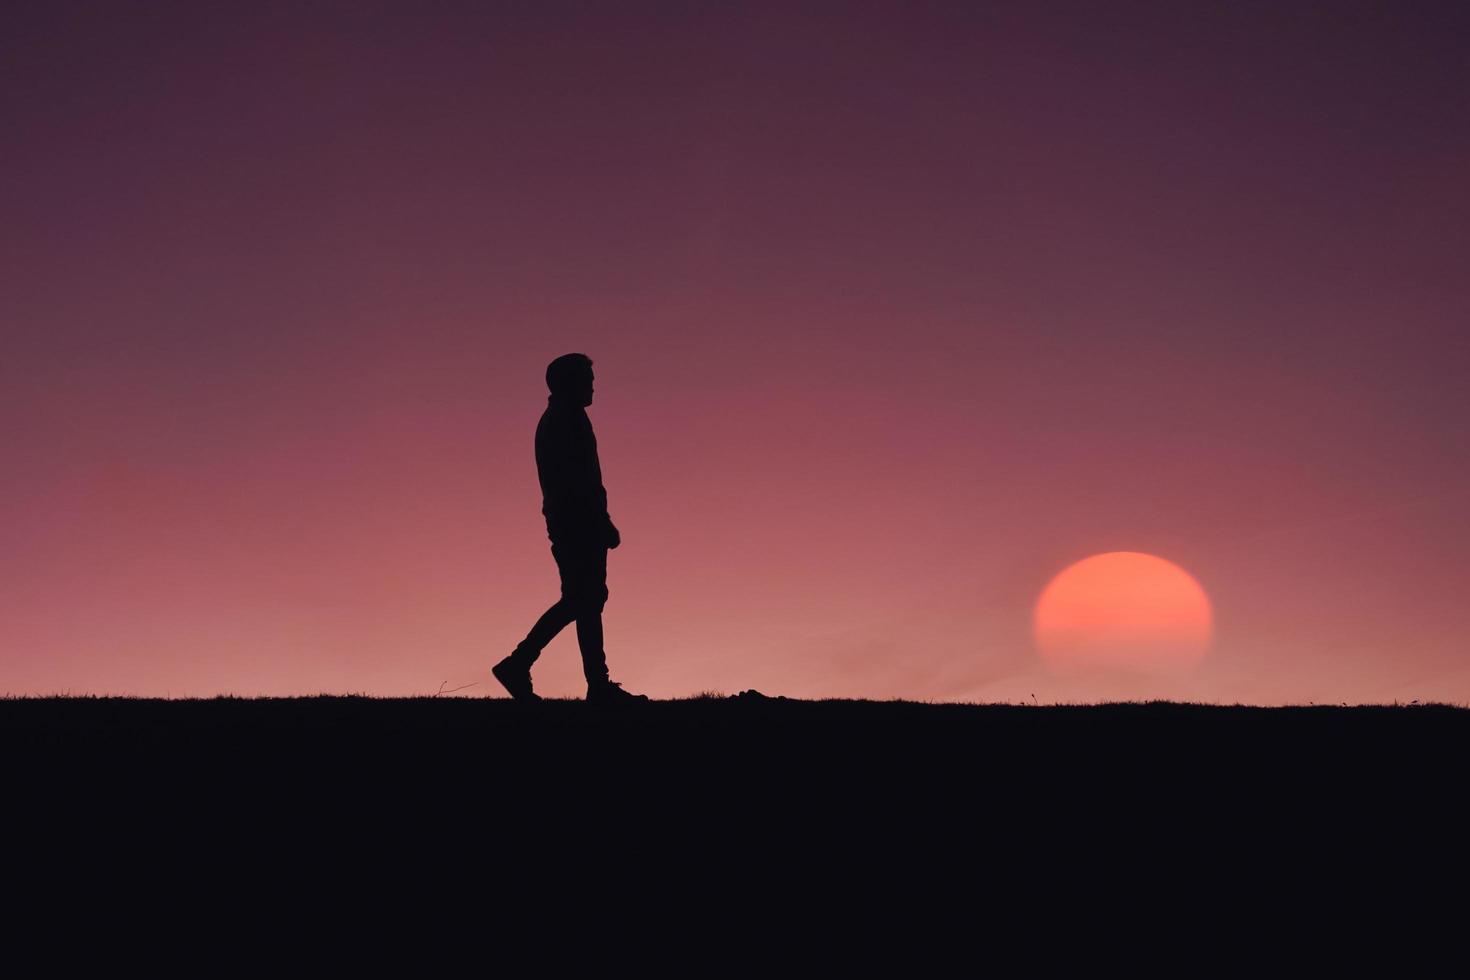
(557, 425)
(561, 417)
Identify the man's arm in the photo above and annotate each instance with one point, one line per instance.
(575, 499)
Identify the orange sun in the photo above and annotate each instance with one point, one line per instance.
(1123, 610)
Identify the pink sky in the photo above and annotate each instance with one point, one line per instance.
(896, 311)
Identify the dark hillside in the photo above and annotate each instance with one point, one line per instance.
(745, 802)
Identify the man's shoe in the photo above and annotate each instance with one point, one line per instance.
(515, 679)
(611, 692)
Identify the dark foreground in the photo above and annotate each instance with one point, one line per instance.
(772, 756)
(752, 741)
(797, 802)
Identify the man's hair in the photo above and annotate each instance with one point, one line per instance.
(567, 370)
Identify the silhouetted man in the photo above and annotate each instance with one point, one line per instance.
(575, 504)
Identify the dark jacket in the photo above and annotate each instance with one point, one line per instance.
(573, 498)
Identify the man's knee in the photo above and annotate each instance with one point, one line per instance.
(586, 600)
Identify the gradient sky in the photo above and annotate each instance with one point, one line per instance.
(896, 311)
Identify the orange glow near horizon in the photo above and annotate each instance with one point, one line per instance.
(1123, 610)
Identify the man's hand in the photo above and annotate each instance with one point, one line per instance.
(613, 537)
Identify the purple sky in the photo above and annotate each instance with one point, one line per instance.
(897, 310)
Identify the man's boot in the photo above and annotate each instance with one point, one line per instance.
(515, 678)
(612, 693)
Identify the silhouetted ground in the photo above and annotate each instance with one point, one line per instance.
(749, 747)
(775, 812)
(752, 733)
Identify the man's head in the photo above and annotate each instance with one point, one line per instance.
(569, 377)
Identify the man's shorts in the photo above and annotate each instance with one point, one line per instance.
(583, 569)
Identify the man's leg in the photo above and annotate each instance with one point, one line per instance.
(552, 622)
(584, 589)
(589, 638)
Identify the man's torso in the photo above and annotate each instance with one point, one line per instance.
(573, 499)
